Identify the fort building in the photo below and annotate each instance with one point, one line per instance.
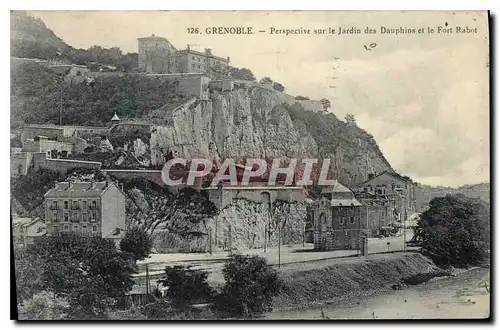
(158, 55)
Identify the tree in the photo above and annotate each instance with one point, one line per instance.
(186, 285)
(243, 73)
(455, 230)
(87, 271)
(279, 87)
(266, 80)
(250, 286)
(137, 242)
(44, 305)
(350, 119)
(326, 104)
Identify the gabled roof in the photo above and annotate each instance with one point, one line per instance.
(78, 189)
(336, 187)
(341, 195)
(395, 175)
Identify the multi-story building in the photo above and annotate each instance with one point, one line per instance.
(192, 61)
(156, 55)
(396, 189)
(26, 230)
(336, 217)
(85, 208)
(377, 213)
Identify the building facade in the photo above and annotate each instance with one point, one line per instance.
(377, 214)
(26, 230)
(85, 208)
(156, 55)
(336, 216)
(397, 190)
(192, 61)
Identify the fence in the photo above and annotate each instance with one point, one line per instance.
(371, 245)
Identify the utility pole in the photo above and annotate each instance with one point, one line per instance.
(279, 245)
(147, 281)
(61, 108)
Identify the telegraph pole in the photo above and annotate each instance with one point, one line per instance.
(61, 108)
(147, 280)
(279, 245)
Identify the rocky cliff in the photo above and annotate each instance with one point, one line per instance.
(255, 122)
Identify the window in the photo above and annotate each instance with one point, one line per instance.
(84, 217)
(322, 218)
(65, 228)
(94, 228)
(92, 217)
(194, 66)
(75, 205)
(75, 228)
(194, 58)
(56, 229)
(66, 217)
(84, 204)
(341, 220)
(65, 205)
(94, 205)
(55, 217)
(75, 217)
(352, 220)
(54, 205)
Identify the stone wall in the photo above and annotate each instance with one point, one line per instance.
(20, 163)
(385, 244)
(243, 225)
(223, 197)
(40, 160)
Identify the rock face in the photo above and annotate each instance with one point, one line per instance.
(243, 225)
(232, 124)
(252, 123)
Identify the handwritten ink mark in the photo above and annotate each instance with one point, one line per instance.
(371, 46)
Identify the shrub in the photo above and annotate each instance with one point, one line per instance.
(301, 98)
(250, 286)
(455, 231)
(278, 87)
(186, 285)
(44, 305)
(137, 242)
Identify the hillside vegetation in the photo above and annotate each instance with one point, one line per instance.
(31, 38)
(37, 95)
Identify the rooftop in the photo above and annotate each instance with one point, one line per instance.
(78, 189)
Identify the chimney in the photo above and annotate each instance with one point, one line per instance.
(107, 184)
(121, 187)
(92, 184)
(208, 51)
(70, 184)
(188, 47)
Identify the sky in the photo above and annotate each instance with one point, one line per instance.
(424, 97)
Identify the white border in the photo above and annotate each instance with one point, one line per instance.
(492, 5)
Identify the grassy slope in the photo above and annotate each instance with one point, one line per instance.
(348, 279)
